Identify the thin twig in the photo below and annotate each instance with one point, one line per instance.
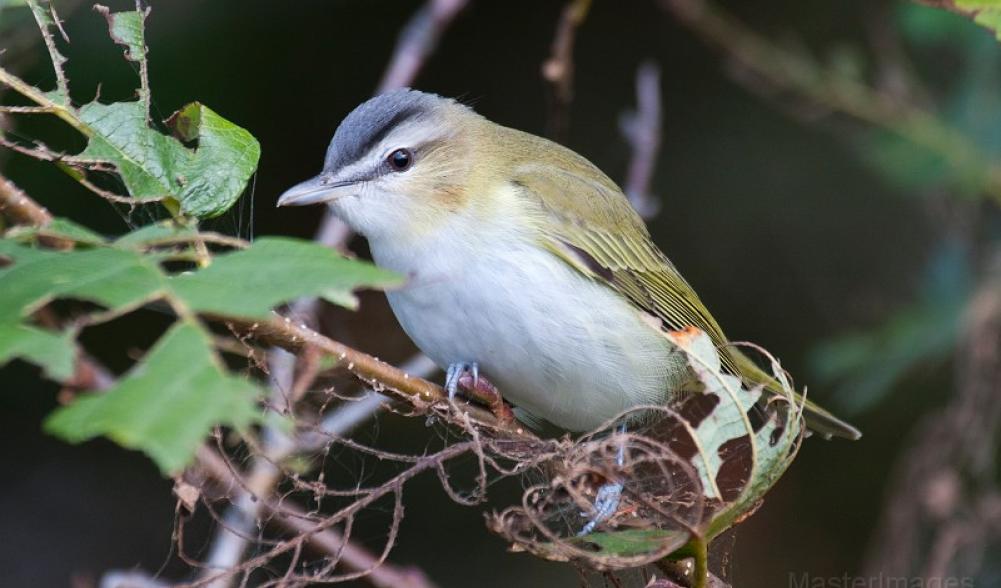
(642, 129)
(353, 413)
(418, 41)
(296, 520)
(558, 69)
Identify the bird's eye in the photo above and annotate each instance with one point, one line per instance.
(400, 160)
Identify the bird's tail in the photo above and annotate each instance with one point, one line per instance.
(817, 418)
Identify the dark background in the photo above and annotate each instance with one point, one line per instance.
(790, 238)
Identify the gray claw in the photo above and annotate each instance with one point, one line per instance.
(605, 505)
(455, 371)
(606, 502)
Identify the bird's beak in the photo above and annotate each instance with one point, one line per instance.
(322, 188)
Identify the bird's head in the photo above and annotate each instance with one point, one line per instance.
(399, 163)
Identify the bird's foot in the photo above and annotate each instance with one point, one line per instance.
(606, 503)
(455, 371)
(483, 390)
(609, 496)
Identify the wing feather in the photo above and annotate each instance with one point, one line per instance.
(586, 221)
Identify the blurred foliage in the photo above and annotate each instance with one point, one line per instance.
(969, 103)
(174, 396)
(986, 13)
(923, 334)
(867, 364)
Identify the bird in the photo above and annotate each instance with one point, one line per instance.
(524, 263)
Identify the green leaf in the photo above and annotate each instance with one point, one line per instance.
(128, 30)
(215, 175)
(632, 542)
(54, 352)
(203, 181)
(771, 448)
(171, 398)
(114, 278)
(986, 13)
(60, 228)
(273, 270)
(152, 233)
(202, 178)
(166, 405)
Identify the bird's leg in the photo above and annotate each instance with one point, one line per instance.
(455, 371)
(483, 390)
(606, 501)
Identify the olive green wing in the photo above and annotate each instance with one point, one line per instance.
(588, 223)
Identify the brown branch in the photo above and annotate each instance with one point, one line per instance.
(381, 376)
(558, 69)
(20, 207)
(642, 130)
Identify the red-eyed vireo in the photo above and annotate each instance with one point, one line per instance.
(524, 261)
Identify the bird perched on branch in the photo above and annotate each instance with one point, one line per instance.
(524, 261)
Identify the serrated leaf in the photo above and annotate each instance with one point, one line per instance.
(772, 446)
(166, 405)
(203, 181)
(128, 30)
(54, 352)
(273, 270)
(111, 277)
(59, 228)
(986, 13)
(245, 283)
(213, 178)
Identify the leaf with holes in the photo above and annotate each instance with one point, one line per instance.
(688, 474)
(167, 404)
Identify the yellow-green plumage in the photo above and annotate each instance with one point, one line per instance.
(588, 212)
(523, 258)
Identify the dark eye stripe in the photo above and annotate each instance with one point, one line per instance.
(384, 129)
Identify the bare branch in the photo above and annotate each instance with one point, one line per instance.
(558, 70)
(642, 130)
(380, 574)
(20, 207)
(423, 395)
(418, 41)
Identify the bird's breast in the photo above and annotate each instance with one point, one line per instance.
(557, 344)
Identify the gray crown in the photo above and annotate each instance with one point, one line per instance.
(372, 120)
